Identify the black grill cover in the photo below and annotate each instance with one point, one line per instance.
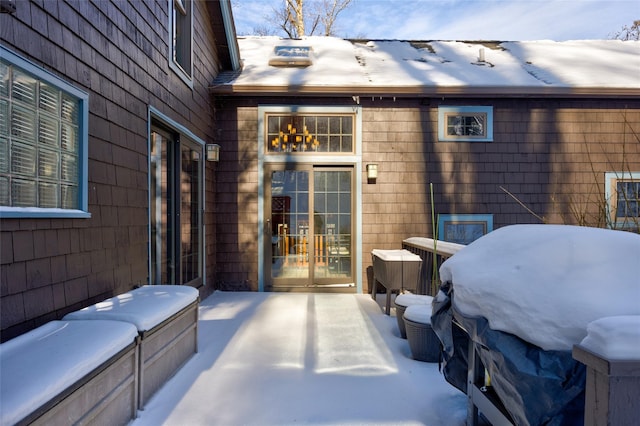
(536, 387)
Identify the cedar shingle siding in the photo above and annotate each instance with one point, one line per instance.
(551, 154)
(117, 52)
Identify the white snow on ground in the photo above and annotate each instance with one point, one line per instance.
(317, 359)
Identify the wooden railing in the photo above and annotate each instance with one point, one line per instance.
(430, 251)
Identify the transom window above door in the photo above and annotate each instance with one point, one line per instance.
(310, 133)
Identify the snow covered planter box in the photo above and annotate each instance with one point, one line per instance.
(423, 342)
(396, 270)
(166, 317)
(404, 300)
(524, 295)
(70, 372)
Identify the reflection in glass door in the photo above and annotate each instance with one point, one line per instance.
(309, 250)
(175, 210)
(290, 225)
(332, 226)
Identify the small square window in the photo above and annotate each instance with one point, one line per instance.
(463, 228)
(465, 124)
(622, 191)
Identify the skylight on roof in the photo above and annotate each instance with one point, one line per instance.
(291, 56)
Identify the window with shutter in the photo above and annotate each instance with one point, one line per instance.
(43, 142)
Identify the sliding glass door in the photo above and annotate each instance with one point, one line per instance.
(309, 226)
(176, 194)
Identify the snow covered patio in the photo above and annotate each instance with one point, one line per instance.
(302, 358)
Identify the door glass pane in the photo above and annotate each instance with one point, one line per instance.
(332, 224)
(290, 224)
(162, 271)
(190, 212)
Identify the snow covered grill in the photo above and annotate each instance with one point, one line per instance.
(166, 317)
(524, 296)
(70, 372)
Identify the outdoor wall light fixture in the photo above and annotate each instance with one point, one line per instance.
(213, 152)
(372, 173)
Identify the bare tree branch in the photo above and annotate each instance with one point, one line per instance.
(332, 9)
(292, 15)
(629, 33)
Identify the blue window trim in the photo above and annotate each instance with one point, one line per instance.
(611, 196)
(442, 124)
(471, 219)
(83, 150)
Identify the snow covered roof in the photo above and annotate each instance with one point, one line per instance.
(464, 68)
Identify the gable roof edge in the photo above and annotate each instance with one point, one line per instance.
(230, 33)
(421, 91)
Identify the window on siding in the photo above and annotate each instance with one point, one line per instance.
(465, 123)
(43, 142)
(310, 133)
(181, 51)
(623, 199)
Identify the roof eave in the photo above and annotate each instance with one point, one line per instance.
(421, 91)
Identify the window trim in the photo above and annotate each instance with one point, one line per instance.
(83, 148)
(444, 111)
(611, 198)
(185, 75)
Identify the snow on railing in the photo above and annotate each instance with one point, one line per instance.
(430, 250)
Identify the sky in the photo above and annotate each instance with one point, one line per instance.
(505, 20)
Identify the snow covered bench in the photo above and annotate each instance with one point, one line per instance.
(166, 317)
(70, 372)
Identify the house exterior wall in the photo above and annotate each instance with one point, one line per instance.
(547, 163)
(117, 52)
